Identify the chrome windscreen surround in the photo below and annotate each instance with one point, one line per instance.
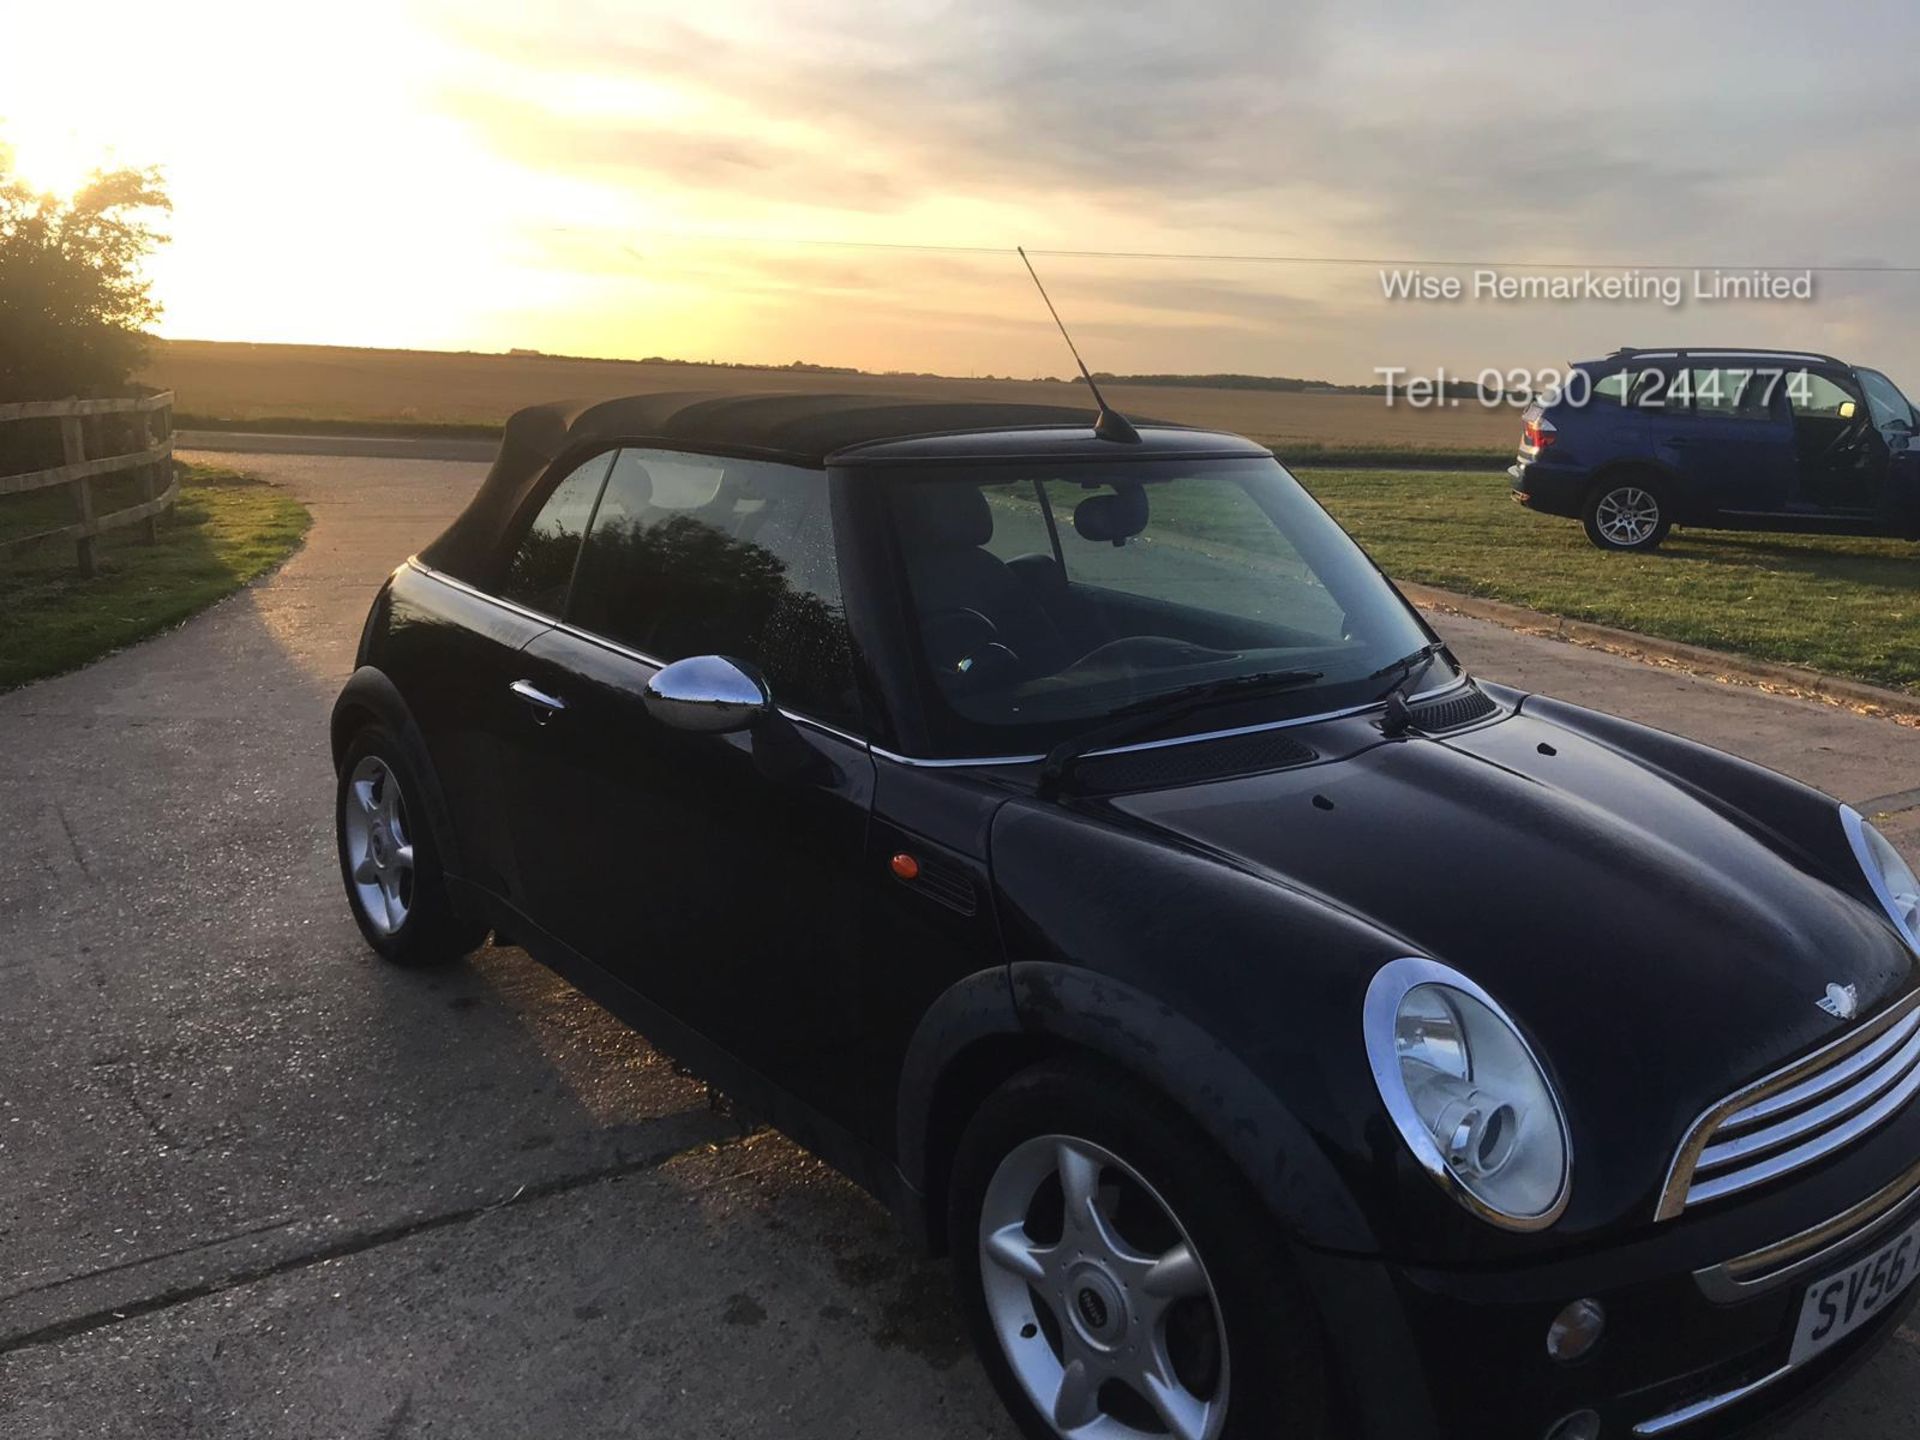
(1800, 1115)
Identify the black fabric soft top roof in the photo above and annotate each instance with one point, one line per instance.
(801, 429)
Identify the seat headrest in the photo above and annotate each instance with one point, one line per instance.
(1116, 518)
(941, 515)
(629, 489)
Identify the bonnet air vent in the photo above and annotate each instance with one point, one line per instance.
(1188, 764)
(1466, 708)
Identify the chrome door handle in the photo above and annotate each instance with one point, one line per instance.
(545, 706)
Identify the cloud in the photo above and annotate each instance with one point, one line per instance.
(1637, 134)
(625, 152)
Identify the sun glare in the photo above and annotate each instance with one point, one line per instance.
(50, 160)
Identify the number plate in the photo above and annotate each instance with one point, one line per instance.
(1840, 1304)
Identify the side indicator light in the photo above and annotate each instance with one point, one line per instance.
(905, 866)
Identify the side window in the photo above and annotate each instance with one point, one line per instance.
(700, 555)
(1666, 390)
(1814, 396)
(1019, 524)
(1731, 393)
(542, 563)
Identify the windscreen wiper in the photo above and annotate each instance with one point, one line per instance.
(1131, 720)
(1399, 717)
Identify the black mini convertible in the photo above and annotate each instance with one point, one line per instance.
(1067, 831)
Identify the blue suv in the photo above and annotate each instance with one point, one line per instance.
(1730, 439)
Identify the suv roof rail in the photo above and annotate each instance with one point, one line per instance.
(1628, 352)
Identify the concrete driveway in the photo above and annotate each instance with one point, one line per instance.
(254, 1183)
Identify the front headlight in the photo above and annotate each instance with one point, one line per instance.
(1890, 876)
(1468, 1096)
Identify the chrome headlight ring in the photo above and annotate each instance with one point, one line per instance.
(1892, 879)
(1467, 1093)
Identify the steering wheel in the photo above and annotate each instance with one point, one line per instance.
(1150, 652)
(963, 642)
(1844, 438)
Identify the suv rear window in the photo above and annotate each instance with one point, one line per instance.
(1611, 388)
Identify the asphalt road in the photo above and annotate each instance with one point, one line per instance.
(255, 1184)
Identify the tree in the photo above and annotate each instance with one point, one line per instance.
(74, 298)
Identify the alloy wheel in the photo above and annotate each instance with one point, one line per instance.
(373, 822)
(1099, 1298)
(1627, 516)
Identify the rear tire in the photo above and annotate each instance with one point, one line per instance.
(390, 857)
(1177, 1301)
(1628, 511)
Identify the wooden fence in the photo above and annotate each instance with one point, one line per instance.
(82, 430)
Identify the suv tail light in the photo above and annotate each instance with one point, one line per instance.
(1538, 434)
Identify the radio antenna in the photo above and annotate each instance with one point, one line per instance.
(1110, 424)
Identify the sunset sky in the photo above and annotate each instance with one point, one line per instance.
(633, 179)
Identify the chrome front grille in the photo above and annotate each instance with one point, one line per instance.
(1801, 1114)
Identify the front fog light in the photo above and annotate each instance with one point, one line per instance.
(1576, 1330)
(1581, 1425)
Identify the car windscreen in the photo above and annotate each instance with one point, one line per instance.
(1047, 597)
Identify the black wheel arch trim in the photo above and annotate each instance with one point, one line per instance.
(975, 1010)
(1062, 1007)
(1067, 1009)
(369, 693)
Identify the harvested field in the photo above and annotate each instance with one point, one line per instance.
(311, 382)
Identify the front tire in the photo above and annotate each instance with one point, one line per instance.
(1119, 1276)
(389, 857)
(1628, 512)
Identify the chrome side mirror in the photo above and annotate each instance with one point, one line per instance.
(709, 695)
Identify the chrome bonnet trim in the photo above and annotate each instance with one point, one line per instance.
(1825, 1117)
(1814, 1248)
(1679, 1186)
(1832, 1079)
(1809, 1151)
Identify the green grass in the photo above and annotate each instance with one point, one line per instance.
(40, 510)
(227, 529)
(1844, 606)
(1392, 457)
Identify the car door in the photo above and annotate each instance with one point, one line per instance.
(1658, 395)
(455, 646)
(714, 874)
(1739, 451)
(1840, 455)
